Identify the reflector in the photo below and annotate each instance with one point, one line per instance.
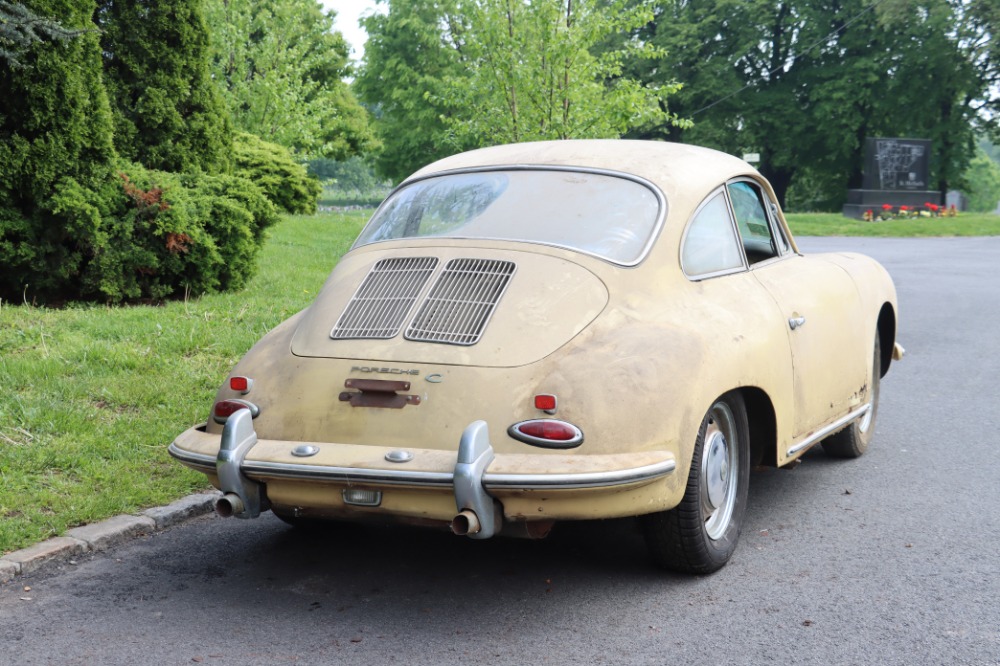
(545, 402)
(241, 384)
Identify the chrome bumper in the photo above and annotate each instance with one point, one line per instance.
(470, 479)
(238, 437)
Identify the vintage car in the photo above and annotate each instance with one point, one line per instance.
(555, 331)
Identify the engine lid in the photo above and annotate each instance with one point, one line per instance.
(449, 305)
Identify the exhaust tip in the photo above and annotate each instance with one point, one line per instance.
(465, 523)
(228, 505)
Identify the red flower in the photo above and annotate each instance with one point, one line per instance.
(904, 208)
(886, 206)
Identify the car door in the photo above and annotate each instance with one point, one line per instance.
(820, 303)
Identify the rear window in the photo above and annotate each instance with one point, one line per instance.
(612, 217)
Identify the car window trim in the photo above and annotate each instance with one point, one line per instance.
(778, 229)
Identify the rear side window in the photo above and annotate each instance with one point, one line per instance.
(710, 244)
(752, 221)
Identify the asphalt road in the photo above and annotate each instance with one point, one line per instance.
(889, 559)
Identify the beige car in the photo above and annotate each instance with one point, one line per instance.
(558, 331)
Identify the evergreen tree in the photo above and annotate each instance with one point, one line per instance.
(168, 114)
(77, 221)
(20, 28)
(56, 154)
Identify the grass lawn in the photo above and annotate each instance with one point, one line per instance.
(90, 396)
(834, 224)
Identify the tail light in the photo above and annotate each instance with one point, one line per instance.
(547, 433)
(223, 409)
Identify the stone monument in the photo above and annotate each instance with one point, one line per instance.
(897, 173)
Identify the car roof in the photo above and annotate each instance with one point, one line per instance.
(683, 172)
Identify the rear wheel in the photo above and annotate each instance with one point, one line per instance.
(700, 534)
(853, 440)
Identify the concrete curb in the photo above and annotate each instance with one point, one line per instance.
(103, 535)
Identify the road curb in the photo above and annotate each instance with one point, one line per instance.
(103, 535)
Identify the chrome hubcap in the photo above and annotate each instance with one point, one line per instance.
(717, 464)
(719, 471)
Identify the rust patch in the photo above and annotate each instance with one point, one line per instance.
(377, 385)
(378, 393)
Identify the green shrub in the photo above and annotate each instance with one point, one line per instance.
(184, 234)
(270, 166)
(235, 212)
(144, 235)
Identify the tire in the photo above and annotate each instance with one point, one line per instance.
(853, 441)
(700, 534)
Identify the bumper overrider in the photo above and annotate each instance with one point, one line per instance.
(480, 495)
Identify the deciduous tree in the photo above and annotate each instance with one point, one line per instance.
(445, 76)
(983, 183)
(282, 70)
(535, 71)
(408, 59)
(803, 82)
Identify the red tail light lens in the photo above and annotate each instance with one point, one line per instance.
(547, 433)
(223, 409)
(549, 430)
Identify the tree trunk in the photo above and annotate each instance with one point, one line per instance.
(781, 180)
(856, 175)
(944, 153)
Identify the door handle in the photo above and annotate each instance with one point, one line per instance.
(795, 322)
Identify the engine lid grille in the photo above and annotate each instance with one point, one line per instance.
(461, 302)
(379, 307)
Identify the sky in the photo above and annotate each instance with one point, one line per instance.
(348, 13)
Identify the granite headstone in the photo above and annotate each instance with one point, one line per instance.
(897, 173)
